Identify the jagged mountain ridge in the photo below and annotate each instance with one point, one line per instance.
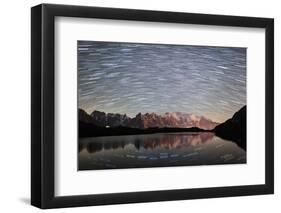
(147, 120)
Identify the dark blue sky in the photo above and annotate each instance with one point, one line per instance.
(131, 78)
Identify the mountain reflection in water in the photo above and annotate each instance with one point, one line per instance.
(157, 150)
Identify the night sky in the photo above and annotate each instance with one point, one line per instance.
(131, 78)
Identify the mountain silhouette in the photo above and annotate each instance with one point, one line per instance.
(234, 129)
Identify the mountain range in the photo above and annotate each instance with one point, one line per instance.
(147, 120)
(111, 124)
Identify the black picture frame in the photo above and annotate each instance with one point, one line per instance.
(43, 117)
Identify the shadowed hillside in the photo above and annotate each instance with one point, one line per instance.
(234, 129)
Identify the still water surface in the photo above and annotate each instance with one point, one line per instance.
(157, 150)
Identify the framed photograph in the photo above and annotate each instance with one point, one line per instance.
(140, 106)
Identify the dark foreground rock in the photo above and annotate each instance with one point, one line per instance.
(234, 129)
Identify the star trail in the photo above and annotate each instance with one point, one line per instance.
(129, 78)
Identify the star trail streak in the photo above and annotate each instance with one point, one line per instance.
(132, 77)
